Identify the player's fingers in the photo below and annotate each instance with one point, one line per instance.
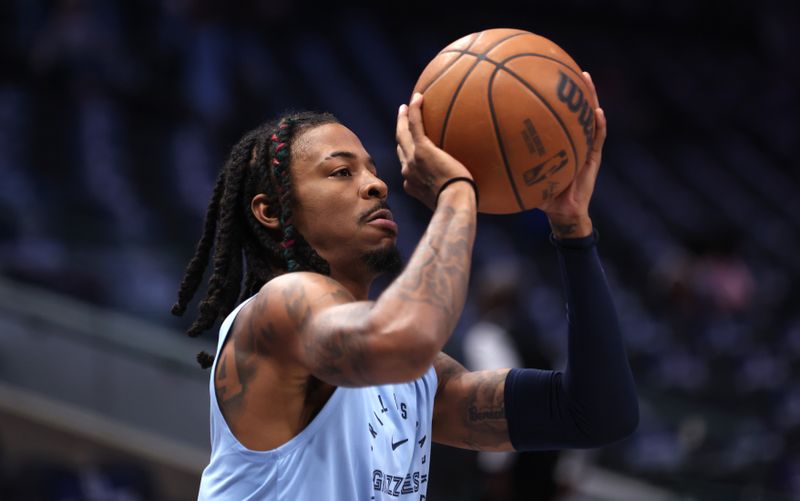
(600, 130)
(596, 153)
(405, 142)
(403, 163)
(415, 118)
(587, 78)
(401, 155)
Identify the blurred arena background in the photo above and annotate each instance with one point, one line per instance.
(115, 117)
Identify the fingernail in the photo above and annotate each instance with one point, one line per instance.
(417, 96)
(400, 109)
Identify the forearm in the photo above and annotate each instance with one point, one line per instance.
(593, 402)
(431, 291)
(395, 338)
(597, 379)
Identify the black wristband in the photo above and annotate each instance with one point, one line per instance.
(586, 242)
(453, 180)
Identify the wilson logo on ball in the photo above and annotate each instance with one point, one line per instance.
(570, 94)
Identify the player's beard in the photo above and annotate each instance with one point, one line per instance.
(385, 260)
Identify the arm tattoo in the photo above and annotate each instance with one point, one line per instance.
(438, 273)
(474, 414)
(339, 354)
(339, 293)
(294, 298)
(341, 357)
(247, 341)
(446, 370)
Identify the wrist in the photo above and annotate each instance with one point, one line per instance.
(579, 243)
(461, 183)
(570, 226)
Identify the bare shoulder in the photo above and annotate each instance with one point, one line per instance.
(284, 307)
(289, 300)
(266, 329)
(309, 286)
(301, 278)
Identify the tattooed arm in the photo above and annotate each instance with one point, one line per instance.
(469, 411)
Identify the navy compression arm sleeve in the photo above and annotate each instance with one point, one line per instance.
(593, 402)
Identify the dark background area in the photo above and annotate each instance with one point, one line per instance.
(116, 116)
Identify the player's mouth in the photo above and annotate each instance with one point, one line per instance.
(383, 218)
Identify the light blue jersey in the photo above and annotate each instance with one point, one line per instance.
(368, 444)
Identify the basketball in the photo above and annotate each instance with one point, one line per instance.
(513, 107)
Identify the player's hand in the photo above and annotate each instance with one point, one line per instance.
(569, 211)
(425, 166)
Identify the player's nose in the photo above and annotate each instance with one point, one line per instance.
(374, 187)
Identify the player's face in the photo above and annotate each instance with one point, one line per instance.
(341, 202)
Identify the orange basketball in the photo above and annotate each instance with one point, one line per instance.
(513, 107)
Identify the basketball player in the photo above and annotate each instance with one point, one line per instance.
(319, 393)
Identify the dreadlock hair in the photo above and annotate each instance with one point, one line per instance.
(246, 253)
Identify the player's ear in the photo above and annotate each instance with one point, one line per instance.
(265, 213)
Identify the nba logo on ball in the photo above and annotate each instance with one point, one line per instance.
(513, 108)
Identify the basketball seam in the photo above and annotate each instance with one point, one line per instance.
(500, 140)
(502, 65)
(486, 53)
(461, 84)
(450, 65)
(543, 56)
(466, 52)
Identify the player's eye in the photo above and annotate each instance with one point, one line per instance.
(344, 172)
